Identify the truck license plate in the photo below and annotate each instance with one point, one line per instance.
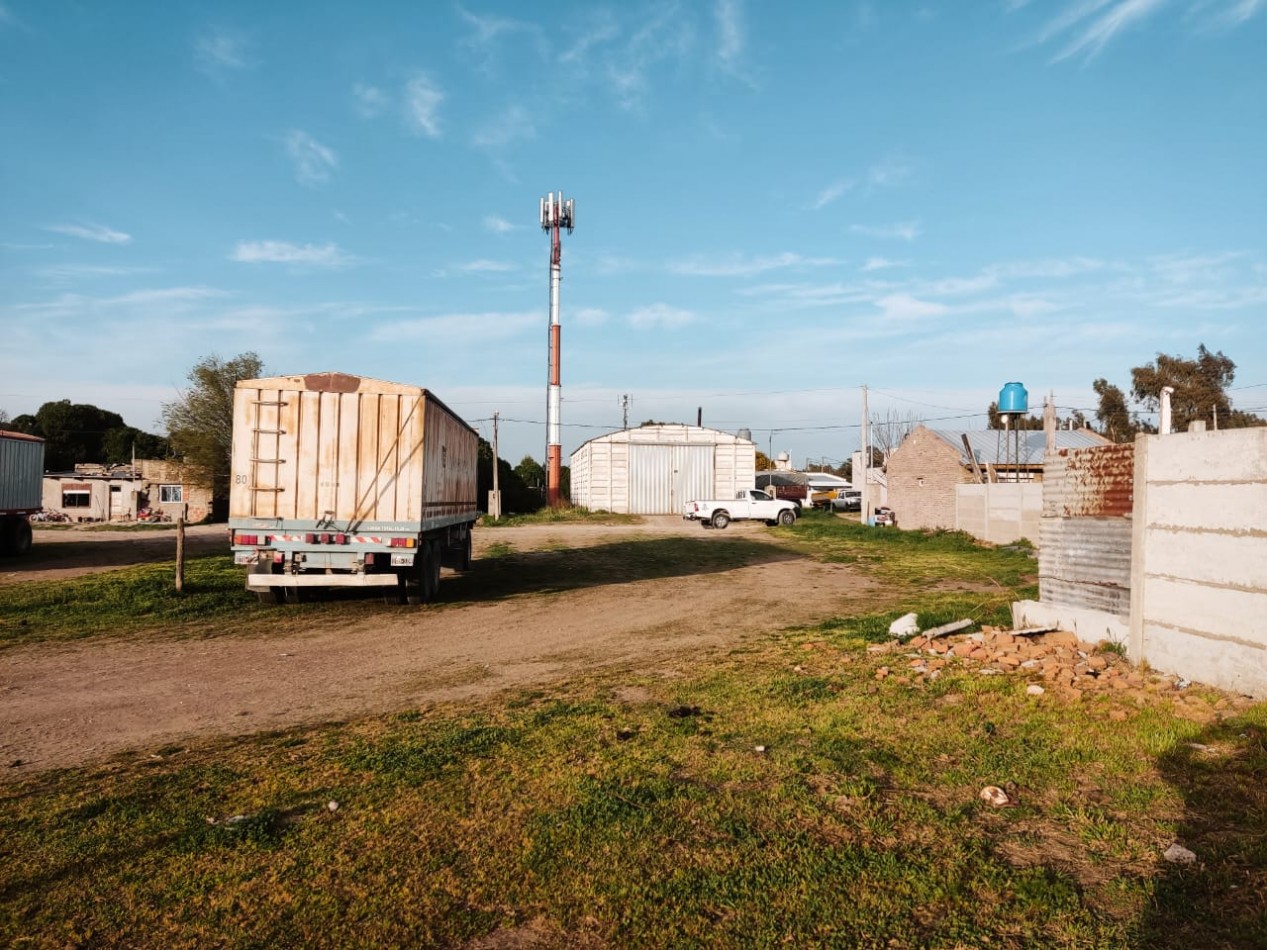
(402, 560)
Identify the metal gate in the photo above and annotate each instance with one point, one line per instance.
(663, 478)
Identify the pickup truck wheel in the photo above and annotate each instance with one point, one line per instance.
(786, 517)
(721, 519)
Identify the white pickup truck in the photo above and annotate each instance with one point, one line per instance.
(718, 513)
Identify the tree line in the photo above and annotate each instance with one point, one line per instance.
(1200, 394)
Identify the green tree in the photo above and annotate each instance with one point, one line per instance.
(25, 423)
(531, 472)
(517, 498)
(200, 423)
(72, 432)
(1117, 423)
(763, 462)
(1023, 422)
(1200, 389)
(123, 443)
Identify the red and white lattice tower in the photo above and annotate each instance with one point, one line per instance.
(555, 214)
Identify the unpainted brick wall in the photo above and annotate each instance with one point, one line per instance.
(923, 473)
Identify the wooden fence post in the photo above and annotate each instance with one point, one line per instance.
(180, 550)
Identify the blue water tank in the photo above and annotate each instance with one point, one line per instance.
(1013, 398)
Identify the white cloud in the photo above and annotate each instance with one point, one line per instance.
(953, 286)
(906, 307)
(422, 101)
(603, 30)
(730, 29)
(485, 267)
(283, 252)
(892, 172)
(67, 273)
(91, 232)
(511, 126)
(880, 263)
(370, 100)
(740, 266)
(1239, 12)
(473, 328)
(660, 315)
(217, 51)
(313, 161)
(667, 35)
(831, 193)
(905, 230)
(499, 225)
(1098, 34)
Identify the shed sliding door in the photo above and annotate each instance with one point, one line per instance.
(663, 478)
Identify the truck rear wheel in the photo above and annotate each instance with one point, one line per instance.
(465, 558)
(433, 570)
(721, 519)
(271, 595)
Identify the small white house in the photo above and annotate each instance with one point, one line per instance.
(657, 469)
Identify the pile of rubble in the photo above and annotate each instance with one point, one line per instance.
(1057, 658)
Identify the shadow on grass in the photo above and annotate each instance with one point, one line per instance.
(617, 562)
(1220, 900)
(113, 549)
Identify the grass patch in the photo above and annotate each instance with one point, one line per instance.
(917, 560)
(750, 804)
(124, 600)
(779, 795)
(565, 514)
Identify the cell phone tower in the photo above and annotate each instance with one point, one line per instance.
(555, 214)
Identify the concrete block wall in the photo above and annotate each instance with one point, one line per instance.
(1199, 573)
(923, 474)
(999, 513)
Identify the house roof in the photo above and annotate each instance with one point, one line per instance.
(781, 478)
(996, 447)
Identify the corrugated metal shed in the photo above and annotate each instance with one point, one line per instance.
(656, 469)
(991, 446)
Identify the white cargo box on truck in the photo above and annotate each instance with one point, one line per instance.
(341, 480)
(21, 489)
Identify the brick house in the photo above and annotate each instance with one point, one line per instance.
(122, 492)
(924, 470)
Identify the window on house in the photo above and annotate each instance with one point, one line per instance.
(76, 499)
(171, 494)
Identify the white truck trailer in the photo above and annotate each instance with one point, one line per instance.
(345, 481)
(21, 489)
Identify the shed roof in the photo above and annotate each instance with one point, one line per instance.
(993, 446)
(666, 433)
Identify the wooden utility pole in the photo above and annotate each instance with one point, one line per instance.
(495, 500)
(866, 462)
(180, 549)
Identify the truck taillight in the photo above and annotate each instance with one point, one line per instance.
(340, 539)
(310, 539)
(402, 542)
(325, 538)
(247, 539)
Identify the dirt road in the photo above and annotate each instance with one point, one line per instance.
(64, 705)
(59, 553)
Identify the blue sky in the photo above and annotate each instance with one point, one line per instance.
(775, 203)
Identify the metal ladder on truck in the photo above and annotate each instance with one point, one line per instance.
(276, 432)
